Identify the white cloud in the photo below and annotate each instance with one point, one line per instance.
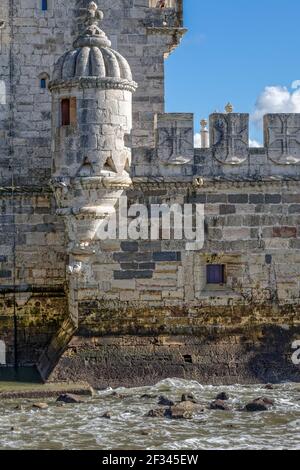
(277, 99)
(295, 84)
(197, 141)
(254, 144)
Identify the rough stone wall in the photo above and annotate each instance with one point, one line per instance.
(214, 356)
(5, 87)
(32, 273)
(148, 312)
(251, 228)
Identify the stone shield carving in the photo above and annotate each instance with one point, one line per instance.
(175, 136)
(229, 137)
(282, 138)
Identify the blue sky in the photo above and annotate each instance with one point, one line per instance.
(242, 51)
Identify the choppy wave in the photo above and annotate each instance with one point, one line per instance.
(81, 426)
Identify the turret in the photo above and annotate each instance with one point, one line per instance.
(91, 90)
(91, 106)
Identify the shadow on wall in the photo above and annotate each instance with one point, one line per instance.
(272, 360)
(28, 375)
(12, 374)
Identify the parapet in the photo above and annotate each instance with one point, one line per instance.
(228, 154)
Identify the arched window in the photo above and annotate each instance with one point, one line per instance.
(2, 353)
(43, 80)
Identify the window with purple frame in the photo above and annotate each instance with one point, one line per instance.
(215, 274)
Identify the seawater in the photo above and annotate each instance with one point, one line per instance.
(82, 427)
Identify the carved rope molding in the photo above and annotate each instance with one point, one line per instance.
(94, 82)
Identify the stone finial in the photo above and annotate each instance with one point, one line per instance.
(229, 108)
(92, 35)
(204, 134)
(203, 123)
(93, 15)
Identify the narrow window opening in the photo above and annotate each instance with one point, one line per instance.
(65, 112)
(43, 83)
(44, 5)
(68, 111)
(188, 358)
(215, 274)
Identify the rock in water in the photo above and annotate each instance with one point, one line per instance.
(219, 405)
(164, 401)
(40, 406)
(69, 398)
(222, 396)
(183, 410)
(176, 412)
(188, 397)
(269, 387)
(260, 404)
(156, 413)
(106, 415)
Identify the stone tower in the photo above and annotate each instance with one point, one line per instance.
(91, 90)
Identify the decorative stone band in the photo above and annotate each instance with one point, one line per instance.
(167, 182)
(92, 182)
(94, 82)
(86, 212)
(107, 182)
(92, 41)
(92, 212)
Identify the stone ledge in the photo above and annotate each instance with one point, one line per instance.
(17, 390)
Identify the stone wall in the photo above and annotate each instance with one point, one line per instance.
(149, 313)
(32, 272)
(252, 228)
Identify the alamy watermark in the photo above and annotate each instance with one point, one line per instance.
(296, 354)
(155, 222)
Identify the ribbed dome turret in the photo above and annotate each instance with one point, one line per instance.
(92, 55)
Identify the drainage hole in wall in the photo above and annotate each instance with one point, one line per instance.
(188, 358)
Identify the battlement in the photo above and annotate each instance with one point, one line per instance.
(229, 152)
(226, 151)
